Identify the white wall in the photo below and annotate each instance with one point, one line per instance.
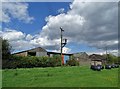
(41, 54)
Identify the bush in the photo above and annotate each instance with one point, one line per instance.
(31, 61)
(72, 62)
(112, 59)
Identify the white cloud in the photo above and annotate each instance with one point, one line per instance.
(5, 18)
(61, 10)
(20, 45)
(11, 34)
(29, 37)
(96, 52)
(114, 52)
(59, 0)
(15, 10)
(38, 40)
(83, 23)
(22, 41)
(16, 39)
(65, 50)
(86, 23)
(69, 22)
(102, 52)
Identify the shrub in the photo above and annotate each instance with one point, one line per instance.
(112, 59)
(72, 62)
(31, 61)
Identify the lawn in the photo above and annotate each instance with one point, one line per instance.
(79, 76)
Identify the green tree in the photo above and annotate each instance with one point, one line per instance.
(112, 58)
(6, 49)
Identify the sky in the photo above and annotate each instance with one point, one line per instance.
(89, 26)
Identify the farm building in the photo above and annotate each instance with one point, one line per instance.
(33, 52)
(55, 53)
(40, 52)
(97, 59)
(82, 57)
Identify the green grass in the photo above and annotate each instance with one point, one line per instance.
(0, 78)
(80, 76)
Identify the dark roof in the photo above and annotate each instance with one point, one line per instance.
(96, 57)
(40, 49)
(81, 54)
(59, 53)
(33, 50)
(96, 60)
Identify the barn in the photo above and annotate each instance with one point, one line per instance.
(97, 59)
(41, 52)
(82, 57)
(32, 52)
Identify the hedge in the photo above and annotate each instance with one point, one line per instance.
(31, 61)
(72, 62)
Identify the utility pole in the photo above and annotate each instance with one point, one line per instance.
(62, 44)
(106, 55)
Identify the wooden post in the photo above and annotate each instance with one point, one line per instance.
(61, 44)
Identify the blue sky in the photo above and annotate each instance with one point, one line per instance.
(39, 11)
(82, 22)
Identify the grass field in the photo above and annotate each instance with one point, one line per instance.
(80, 76)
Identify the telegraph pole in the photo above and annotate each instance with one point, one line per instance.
(62, 44)
(106, 55)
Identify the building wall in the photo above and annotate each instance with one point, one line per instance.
(84, 62)
(38, 54)
(82, 57)
(96, 63)
(51, 55)
(22, 54)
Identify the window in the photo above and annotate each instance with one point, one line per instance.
(32, 53)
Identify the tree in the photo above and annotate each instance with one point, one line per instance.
(6, 49)
(112, 58)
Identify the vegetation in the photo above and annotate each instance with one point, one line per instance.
(6, 49)
(31, 61)
(75, 76)
(19, 71)
(11, 61)
(72, 62)
(112, 59)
